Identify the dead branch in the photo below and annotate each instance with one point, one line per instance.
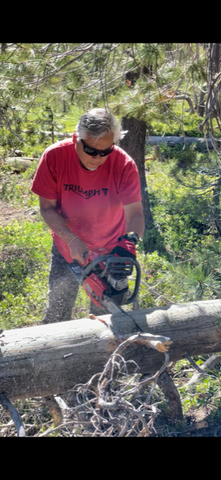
(209, 364)
(116, 403)
(7, 405)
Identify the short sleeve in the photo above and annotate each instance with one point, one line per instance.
(129, 187)
(45, 179)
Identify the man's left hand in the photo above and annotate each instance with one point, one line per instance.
(126, 246)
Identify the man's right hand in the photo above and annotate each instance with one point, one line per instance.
(77, 249)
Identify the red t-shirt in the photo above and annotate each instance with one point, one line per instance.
(90, 201)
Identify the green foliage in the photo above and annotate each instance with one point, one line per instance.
(188, 127)
(47, 87)
(24, 273)
(18, 192)
(202, 393)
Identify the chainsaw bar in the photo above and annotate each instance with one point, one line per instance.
(95, 287)
(111, 307)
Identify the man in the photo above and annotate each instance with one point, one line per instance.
(89, 193)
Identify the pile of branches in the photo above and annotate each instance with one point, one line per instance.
(117, 402)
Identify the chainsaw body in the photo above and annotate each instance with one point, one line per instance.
(104, 276)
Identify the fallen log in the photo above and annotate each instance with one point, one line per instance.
(202, 145)
(20, 164)
(47, 359)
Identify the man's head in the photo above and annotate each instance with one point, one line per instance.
(96, 133)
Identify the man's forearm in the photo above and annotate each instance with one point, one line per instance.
(136, 224)
(57, 223)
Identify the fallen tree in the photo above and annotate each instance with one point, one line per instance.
(201, 144)
(48, 359)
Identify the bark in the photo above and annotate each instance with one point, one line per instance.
(3, 48)
(215, 54)
(172, 396)
(134, 144)
(201, 105)
(50, 359)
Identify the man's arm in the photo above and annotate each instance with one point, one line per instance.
(135, 218)
(57, 223)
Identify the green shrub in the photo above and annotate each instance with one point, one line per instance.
(24, 274)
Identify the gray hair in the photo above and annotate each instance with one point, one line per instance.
(96, 123)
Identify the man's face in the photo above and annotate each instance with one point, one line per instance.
(102, 143)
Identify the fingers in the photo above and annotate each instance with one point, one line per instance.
(79, 251)
(83, 256)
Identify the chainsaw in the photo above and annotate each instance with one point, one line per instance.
(104, 277)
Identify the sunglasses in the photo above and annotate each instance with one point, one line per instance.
(94, 152)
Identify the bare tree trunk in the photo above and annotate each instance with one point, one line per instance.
(3, 48)
(215, 53)
(201, 104)
(50, 359)
(134, 144)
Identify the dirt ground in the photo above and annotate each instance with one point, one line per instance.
(9, 213)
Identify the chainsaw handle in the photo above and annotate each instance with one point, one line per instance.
(90, 268)
(137, 283)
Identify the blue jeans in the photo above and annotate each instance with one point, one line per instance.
(62, 291)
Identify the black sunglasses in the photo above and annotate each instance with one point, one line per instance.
(93, 151)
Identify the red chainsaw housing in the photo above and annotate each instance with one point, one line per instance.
(94, 288)
(92, 285)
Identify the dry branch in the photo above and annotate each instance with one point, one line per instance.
(113, 405)
(209, 364)
(7, 405)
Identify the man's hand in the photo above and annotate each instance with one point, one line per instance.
(77, 249)
(125, 248)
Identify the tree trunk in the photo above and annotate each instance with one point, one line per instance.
(48, 359)
(3, 48)
(215, 54)
(201, 104)
(134, 144)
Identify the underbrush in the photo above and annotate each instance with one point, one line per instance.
(24, 274)
(184, 266)
(183, 263)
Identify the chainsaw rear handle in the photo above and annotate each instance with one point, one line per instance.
(112, 259)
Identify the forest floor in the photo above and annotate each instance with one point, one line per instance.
(8, 213)
(203, 421)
